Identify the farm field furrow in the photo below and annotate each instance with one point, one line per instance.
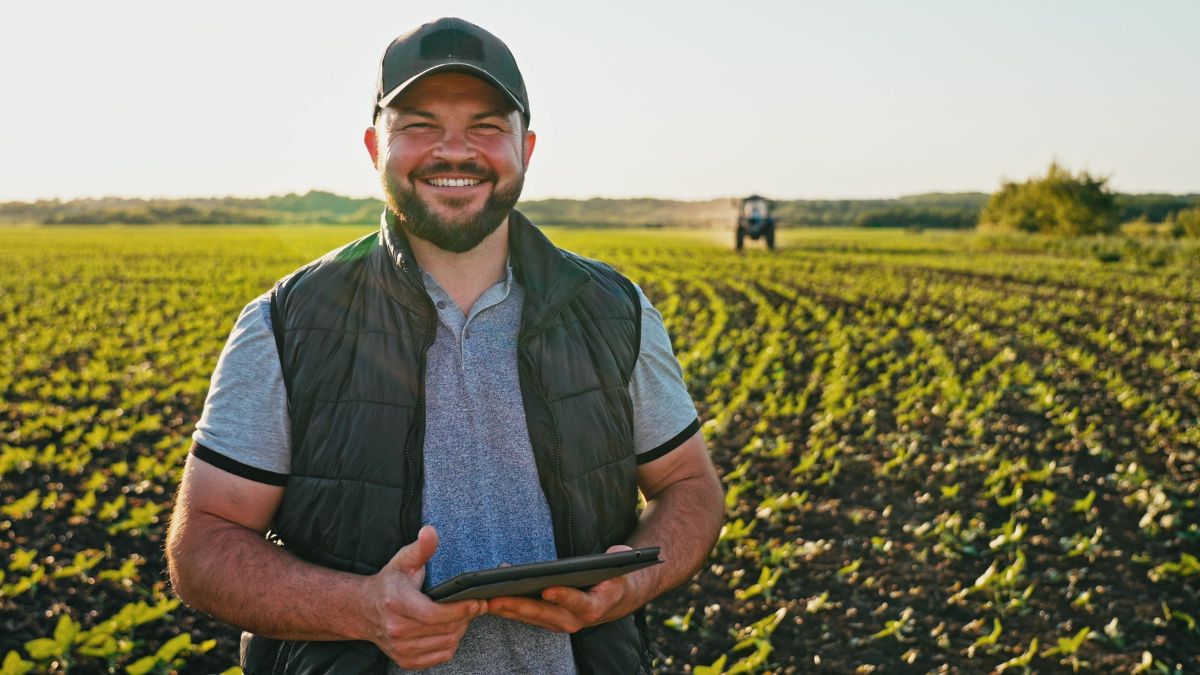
(940, 456)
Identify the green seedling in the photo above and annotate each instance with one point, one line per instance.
(24, 507)
(1084, 504)
(849, 570)
(1169, 614)
(681, 623)
(1045, 501)
(774, 504)
(140, 518)
(734, 493)
(716, 668)
(24, 584)
(1081, 545)
(760, 630)
(1012, 498)
(896, 627)
(1187, 566)
(167, 655)
(988, 640)
(739, 473)
(818, 603)
(15, 665)
(84, 561)
(736, 531)
(766, 581)
(754, 661)
(1069, 647)
(126, 574)
(59, 646)
(112, 508)
(1021, 661)
(1010, 533)
(1113, 631)
(84, 505)
(22, 559)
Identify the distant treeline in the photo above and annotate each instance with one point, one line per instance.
(934, 210)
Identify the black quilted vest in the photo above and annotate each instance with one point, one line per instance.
(353, 328)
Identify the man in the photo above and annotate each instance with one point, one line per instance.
(448, 394)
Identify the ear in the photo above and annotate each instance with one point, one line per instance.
(530, 141)
(371, 140)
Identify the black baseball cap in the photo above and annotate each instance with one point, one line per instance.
(448, 44)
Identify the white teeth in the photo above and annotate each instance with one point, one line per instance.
(454, 182)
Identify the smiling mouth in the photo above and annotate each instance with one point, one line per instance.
(452, 182)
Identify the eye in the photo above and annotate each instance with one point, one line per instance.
(488, 128)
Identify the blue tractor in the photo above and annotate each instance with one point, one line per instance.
(755, 221)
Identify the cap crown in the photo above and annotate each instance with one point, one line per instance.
(449, 44)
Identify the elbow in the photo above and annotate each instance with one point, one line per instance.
(716, 504)
(180, 556)
(176, 558)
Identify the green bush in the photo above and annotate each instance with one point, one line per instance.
(1186, 223)
(1058, 203)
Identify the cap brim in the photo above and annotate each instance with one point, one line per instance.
(467, 68)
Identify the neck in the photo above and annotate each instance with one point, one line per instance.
(465, 276)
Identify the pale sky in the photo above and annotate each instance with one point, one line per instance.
(676, 100)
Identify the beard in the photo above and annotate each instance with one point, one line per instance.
(457, 235)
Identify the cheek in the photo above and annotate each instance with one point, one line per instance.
(399, 159)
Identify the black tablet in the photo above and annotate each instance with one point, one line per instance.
(529, 580)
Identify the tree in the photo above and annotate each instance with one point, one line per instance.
(1186, 223)
(1058, 203)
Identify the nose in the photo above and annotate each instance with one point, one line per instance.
(454, 146)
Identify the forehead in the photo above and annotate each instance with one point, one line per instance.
(451, 91)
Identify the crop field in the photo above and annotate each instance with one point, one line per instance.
(942, 453)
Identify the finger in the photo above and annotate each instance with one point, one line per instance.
(412, 558)
(411, 658)
(571, 599)
(536, 612)
(418, 645)
(441, 614)
(618, 548)
(416, 554)
(597, 599)
(515, 615)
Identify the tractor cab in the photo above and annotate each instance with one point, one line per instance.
(755, 221)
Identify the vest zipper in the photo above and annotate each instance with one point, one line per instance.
(562, 485)
(410, 495)
(541, 387)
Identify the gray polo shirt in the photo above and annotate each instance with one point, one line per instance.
(481, 487)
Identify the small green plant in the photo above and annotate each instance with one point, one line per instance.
(1068, 648)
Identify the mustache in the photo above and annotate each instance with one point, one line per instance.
(466, 169)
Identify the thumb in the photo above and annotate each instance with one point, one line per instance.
(412, 558)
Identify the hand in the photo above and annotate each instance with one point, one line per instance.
(567, 610)
(414, 631)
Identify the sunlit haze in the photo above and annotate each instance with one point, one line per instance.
(676, 100)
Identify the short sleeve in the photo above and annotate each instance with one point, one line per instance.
(245, 427)
(663, 413)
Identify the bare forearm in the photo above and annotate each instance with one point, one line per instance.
(684, 520)
(244, 580)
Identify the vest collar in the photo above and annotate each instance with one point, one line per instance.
(549, 278)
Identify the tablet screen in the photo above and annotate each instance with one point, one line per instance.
(530, 579)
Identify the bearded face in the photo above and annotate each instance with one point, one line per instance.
(451, 153)
(451, 224)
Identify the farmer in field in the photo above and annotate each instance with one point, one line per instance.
(450, 393)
